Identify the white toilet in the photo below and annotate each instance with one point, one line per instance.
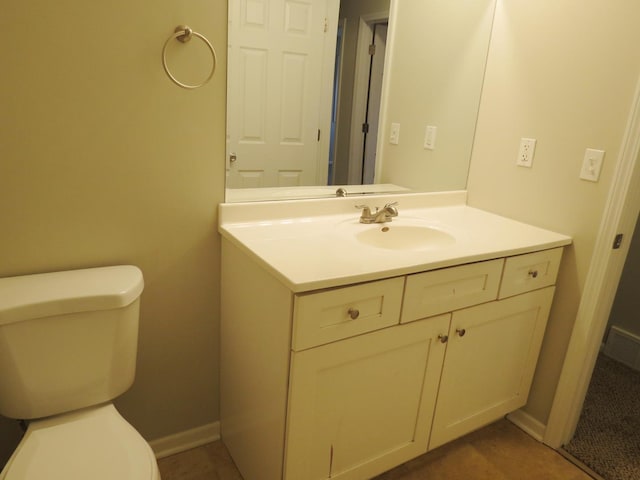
(68, 343)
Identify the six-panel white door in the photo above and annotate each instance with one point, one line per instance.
(274, 90)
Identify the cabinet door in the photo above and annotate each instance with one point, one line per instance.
(490, 360)
(360, 406)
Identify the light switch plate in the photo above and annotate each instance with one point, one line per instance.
(592, 164)
(430, 137)
(394, 136)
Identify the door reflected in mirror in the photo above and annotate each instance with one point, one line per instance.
(314, 86)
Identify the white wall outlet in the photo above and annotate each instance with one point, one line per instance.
(430, 137)
(592, 164)
(525, 154)
(394, 135)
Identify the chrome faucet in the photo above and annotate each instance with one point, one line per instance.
(383, 215)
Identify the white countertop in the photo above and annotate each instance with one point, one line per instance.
(312, 244)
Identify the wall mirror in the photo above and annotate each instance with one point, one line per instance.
(374, 95)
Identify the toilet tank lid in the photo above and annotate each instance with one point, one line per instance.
(58, 293)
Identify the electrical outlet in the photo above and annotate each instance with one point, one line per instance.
(394, 136)
(525, 154)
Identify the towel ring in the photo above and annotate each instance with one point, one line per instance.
(183, 34)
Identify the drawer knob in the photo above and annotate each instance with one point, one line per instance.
(353, 313)
(461, 331)
(443, 338)
(533, 273)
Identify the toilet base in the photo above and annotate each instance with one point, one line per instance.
(95, 442)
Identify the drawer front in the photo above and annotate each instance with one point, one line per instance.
(440, 291)
(324, 317)
(531, 271)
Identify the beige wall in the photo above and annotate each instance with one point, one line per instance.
(438, 54)
(104, 161)
(563, 73)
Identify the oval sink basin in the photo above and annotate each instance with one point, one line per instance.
(404, 237)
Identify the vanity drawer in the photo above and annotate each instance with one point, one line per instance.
(330, 315)
(448, 289)
(531, 271)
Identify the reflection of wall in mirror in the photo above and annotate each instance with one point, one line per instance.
(434, 78)
(351, 11)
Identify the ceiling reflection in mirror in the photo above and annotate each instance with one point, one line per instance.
(375, 96)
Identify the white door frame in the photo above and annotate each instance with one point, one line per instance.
(374, 104)
(360, 88)
(324, 106)
(619, 216)
(337, 84)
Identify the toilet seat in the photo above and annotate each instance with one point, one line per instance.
(95, 443)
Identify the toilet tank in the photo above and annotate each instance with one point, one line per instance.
(68, 340)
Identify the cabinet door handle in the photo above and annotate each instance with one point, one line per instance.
(533, 273)
(443, 338)
(461, 331)
(353, 313)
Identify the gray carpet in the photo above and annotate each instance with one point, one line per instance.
(608, 435)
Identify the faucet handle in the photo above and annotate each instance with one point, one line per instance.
(391, 209)
(366, 216)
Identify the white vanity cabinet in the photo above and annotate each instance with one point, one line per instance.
(490, 360)
(362, 389)
(492, 346)
(360, 406)
(348, 382)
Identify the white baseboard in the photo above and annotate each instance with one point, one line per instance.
(182, 441)
(527, 423)
(624, 347)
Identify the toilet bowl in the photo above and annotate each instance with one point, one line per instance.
(95, 443)
(68, 345)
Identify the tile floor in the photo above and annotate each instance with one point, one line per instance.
(500, 451)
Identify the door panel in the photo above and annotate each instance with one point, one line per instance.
(491, 357)
(363, 405)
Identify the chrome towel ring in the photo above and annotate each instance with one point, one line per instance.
(184, 33)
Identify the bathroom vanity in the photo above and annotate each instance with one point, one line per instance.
(348, 349)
